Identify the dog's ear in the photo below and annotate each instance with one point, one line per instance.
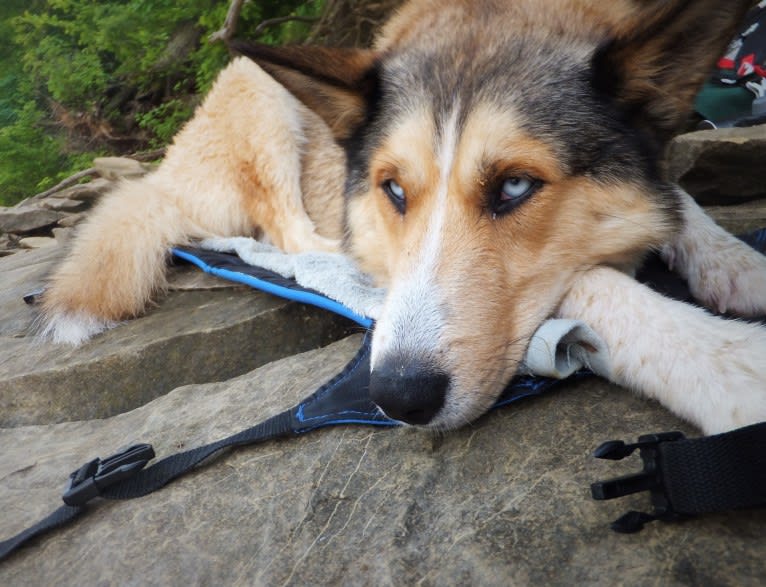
(655, 67)
(338, 84)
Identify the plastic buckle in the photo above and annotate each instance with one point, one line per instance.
(94, 477)
(33, 297)
(650, 479)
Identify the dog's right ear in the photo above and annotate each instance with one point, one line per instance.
(654, 68)
(338, 84)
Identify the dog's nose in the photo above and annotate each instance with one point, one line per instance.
(408, 393)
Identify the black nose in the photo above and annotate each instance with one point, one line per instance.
(409, 393)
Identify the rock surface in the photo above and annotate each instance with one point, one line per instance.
(118, 167)
(502, 502)
(192, 336)
(64, 205)
(27, 219)
(37, 242)
(720, 166)
(742, 218)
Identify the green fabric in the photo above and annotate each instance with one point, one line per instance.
(720, 103)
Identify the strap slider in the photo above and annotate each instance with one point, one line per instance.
(95, 476)
(650, 479)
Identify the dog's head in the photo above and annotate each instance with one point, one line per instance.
(495, 150)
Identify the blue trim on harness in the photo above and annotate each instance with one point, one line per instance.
(305, 297)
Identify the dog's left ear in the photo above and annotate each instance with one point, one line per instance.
(654, 68)
(338, 84)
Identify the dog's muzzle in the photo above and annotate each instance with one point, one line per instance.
(410, 393)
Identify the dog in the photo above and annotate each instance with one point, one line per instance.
(492, 163)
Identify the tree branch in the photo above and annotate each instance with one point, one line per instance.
(145, 156)
(229, 28)
(68, 182)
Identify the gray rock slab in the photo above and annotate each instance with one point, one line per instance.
(86, 192)
(37, 242)
(22, 273)
(180, 278)
(72, 219)
(192, 336)
(64, 204)
(119, 167)
(720, 166)
(62, 235)
(504, 501)
(27, 219)
(740, 218)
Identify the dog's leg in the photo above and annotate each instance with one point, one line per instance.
(234, 167)
(116, 263)
(708, 370)
(278, 137)
(723, 273)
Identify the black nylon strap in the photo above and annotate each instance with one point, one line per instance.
(716, 473)
(163, 472)
(149, 480)
(687, 477)
(60, 517)
(155, 477)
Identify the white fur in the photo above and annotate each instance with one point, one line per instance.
(73, 329)
(723, 273)
(708, 370)
(411, 322)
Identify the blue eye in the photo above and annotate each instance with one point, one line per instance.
(515, 188)
(396, 194)
(512, 192)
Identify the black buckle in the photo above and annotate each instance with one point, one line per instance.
(94, 477)
(650, 479)
(33, 296)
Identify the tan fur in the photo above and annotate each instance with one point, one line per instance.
(558, 17)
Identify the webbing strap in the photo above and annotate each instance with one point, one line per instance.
(688, 477)
(714, 473)
(170, 468)
(145, 481)
(60, 517)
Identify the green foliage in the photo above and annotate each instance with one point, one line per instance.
(31, 159)
(79, 77)
(165, 120)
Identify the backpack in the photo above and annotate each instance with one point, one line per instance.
(735, 94)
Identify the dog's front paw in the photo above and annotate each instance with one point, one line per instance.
(723, 273)
(73, 329)
(726, 275)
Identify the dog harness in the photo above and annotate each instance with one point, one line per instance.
(684, 476)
